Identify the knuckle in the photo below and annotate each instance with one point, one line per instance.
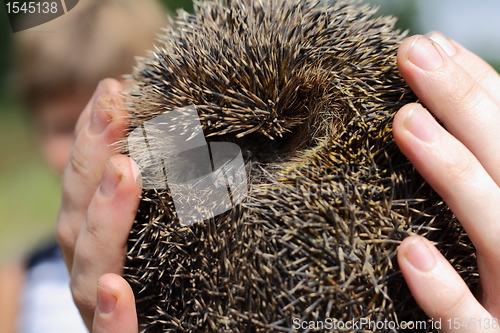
(79, 163)
(460, 168)
(94, 230)
(455, 306)
(83, 299)
(64, 235)
(93, 240)
(83, 259)
(69, 203)
(467, 95)
(485, 75)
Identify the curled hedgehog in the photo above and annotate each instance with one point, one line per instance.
(307, 90)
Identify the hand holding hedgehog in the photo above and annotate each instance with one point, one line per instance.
(457, 86)
(461, 164)
(98, 206)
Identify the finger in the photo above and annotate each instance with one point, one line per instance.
(489, 270)
(115, 311)
(460, 180)
(91, 149)
(479, 69)
(105, 87)
(438, 288)
(454, 97)
(102, 242)
(454, 173)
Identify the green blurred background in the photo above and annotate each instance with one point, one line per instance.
(29, 191)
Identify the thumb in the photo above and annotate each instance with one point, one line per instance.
(439, 289)
(115, 310)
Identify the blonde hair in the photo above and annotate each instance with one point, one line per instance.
(97, 39)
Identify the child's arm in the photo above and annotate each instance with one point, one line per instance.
(12, 277)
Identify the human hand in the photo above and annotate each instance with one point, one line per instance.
(462, 165)
(99, 202)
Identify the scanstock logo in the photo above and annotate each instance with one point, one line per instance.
(28, 14)
(205, 179)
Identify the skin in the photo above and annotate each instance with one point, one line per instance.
(461, 163)
(11, 284)
(99, 202)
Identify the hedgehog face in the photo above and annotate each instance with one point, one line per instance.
(306, 90)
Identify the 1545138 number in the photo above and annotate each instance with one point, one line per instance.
(473, 323)
(31, 7)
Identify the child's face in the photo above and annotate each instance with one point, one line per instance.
(56, 122)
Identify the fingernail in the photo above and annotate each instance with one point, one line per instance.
(136, 173)
(110, 180)
(421, 124)
(102, 88)
(106, 299)
(424, 55)
(419, 255)
(443, 42)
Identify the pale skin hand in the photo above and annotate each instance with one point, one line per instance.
(99, 203)
(462, 164)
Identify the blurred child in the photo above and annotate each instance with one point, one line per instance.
(59, 64)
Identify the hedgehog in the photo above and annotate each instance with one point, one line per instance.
(306, 90)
